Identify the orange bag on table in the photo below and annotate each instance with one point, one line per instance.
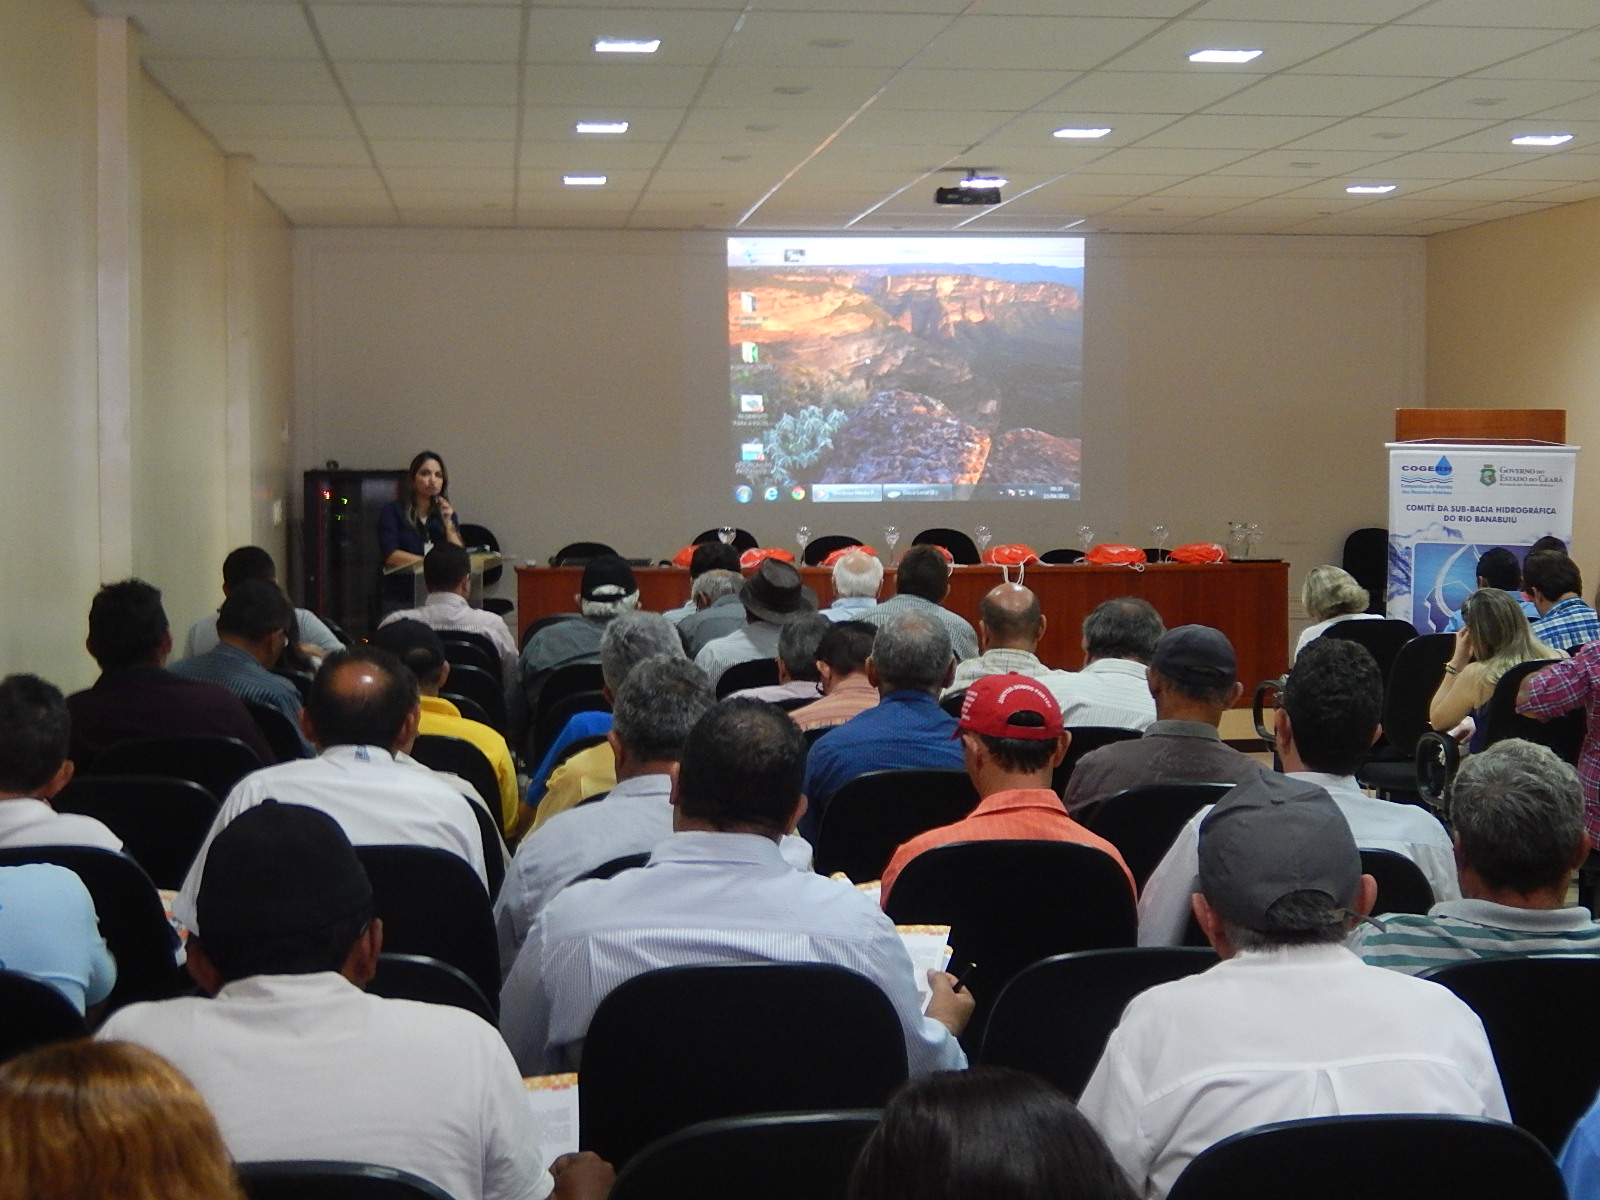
(1011, 554)
(1109, 554)
(842, 551)
(682, 557)
(1198, 552)
(753, 556)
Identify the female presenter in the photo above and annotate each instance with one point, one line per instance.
(409, 528)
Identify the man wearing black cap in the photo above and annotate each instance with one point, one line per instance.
(772, 597)
(608, 588)
(1194, 680)
(296, 1062)
(1291, 1023)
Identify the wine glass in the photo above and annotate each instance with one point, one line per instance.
(891, 539)
(1252, 535)
(1086, 537)
(1236, 539)
(984, 537)
(726, 534)
(1159, 533)
(803, 535)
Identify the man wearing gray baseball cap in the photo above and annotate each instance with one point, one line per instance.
(1291, 1023)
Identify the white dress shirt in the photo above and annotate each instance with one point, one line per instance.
(378, 798)
(1001, 660)
(704, 898)
(849, 608)
(450, 611)
(1277, 1035)
(1376, 825)
(311, 1067)
(1109, 691)
(753, 640)
(27, 822)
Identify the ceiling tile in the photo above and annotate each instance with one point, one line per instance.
(1175, 206)
(1036, 128)
(869, 39)
(1373, 11)
(1425, 50)
(1294, 164)
(1006, 91)
(1208, 132)
(419, 33)
(476, 122)
(246, 81)
(200, 29)
(1570, 166)
(1479, 97)
(1477, 189)
(739, 126)
(542, 124)
(1295, 94)
(456, 179)
(1284, 43)
(1171, 92)
(1508, 208)
(429, 83)
(612, 85)
(1571, 58)
(225, 121)
(1568, 193)
(1140, 160)
(824, 87)
(1236, 187)
(302, 152)
(567, 35)
(890, 128)
(583, 159)
(442, 153)
(1438, 164)
(323, 179)
(1395, 134)
(985, 43)
(1524, 14)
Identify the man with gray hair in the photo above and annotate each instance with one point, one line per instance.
(1119, 640)
(857, 578)
(1517, 815)
(718, 610)
(628, 641)
(799, 678)
(911, 663)
(1290, 1024)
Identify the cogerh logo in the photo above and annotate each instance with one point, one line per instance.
(1442, 469)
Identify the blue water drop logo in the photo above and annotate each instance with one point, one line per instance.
(1442, 468)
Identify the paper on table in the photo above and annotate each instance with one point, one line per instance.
(929, 949)
(554, 1100)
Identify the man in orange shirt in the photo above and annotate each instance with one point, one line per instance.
(1012, 737)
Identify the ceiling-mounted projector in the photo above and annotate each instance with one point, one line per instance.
(974, 189)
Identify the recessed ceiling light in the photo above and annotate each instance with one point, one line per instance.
(1224, 56)
(602, 127)
(792, 89)
(1082, 133)
(1541, 139)
(1389, 135)
(1486, 101)
(984, 181)
(1371, 189)
(584, 180)
(1305, 164)
(626, 45)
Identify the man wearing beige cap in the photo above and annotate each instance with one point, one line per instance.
(772, 597)
(1290, 1024)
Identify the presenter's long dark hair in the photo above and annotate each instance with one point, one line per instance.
(986, 1134)
(411, 482)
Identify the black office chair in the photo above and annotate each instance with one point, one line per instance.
(773, 1156)
(433, 903)
(1402, 887)
(811, 735)
(819, 548)
(1381, 639)
(1366, 556)
(1538, 1011)
(1143, 822)
(1384, 1157)
(743, 539)
(133, 920)
(1053, 1019)
(33, 1013)
(544, 623)
(1563, 734)
(869, 817)
(333, 1181)
(553, 719)
(578, 554)
(482, 687)
(561, 683)
(1413, 678)
(758, 672)
(464, 648)
(482, 536)
(460, 757)
(1086, 738)
(215, 763)
(962, 548)
(162, 822)
(469, 708)
(430, 980)
(1061, 557)
(301, 681)
(617, 865)
(282, 736)
(674, 1047)
(952, 703)
(1011, 903)
(495, 855)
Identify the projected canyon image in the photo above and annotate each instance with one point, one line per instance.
(884, 369)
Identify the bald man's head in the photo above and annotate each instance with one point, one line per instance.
(1010, 618)
(362, 696)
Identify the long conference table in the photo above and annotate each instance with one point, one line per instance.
(1248, 601)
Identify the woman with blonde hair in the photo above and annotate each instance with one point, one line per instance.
(1329, 595)
(90, 1120)
(1495, 638)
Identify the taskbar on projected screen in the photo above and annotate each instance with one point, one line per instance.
(868, 493)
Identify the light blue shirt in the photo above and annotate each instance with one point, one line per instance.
(49, 929)
(1529, 609)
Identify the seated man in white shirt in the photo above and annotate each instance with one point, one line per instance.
(362, 716)
(1327, 719)
(1290, 1024)
(857, 580)
(719, 890)
(1119, 641)
(34, 740)
(297, 1062)
(447, 574)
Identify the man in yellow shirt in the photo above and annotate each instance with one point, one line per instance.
(420, 648)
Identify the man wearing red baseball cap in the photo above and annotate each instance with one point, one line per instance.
(1012, 739)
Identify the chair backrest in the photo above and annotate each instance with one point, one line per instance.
(1382, 638)
(962, 548)
(482, 535)
(133, 920)
(1053, 1018)
(282, 737)
(673, 1047)
(1539, 1013)
(1060, 556)
(459, 757)
(162, 822)
(617, 865)
(819, 548)
(482, 686)
(215, 763)
(1385, 1157)
(816, 731)
(1413, 679)
(430, 980)
(743, 539)
(333, 1181)
(1402, 887)
(758, 672)
(433, 903)
(35, 1013)
(468, 708)
(302, 681)
(462, 647)
(873, 814)
(1143, 822)
(1366, 556)
(773, 1156)
(953, 702)
(579, 553)
(1084, 739)
(553, 719)
(1011, 903)
(567, 681)
(1563, 734)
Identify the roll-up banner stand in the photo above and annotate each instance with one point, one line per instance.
(1451, 501)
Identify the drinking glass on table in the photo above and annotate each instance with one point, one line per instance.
(1085, 537)
(1159, 533)
(726, 534)
(983, 537)
(891, 538)
(803, 535)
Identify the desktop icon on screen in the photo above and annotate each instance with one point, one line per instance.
(743, 494)
(770, 494)
(749, 352)
(752, 452)
(752, 403)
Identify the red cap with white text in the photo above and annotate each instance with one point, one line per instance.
(1010, 706)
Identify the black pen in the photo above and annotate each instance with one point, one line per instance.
(961, 979)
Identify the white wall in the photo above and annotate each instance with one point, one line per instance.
(575, 384)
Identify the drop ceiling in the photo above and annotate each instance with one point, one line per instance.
(846, 114)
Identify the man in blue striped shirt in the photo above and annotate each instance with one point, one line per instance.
(1518, 816)
(1556, 586)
